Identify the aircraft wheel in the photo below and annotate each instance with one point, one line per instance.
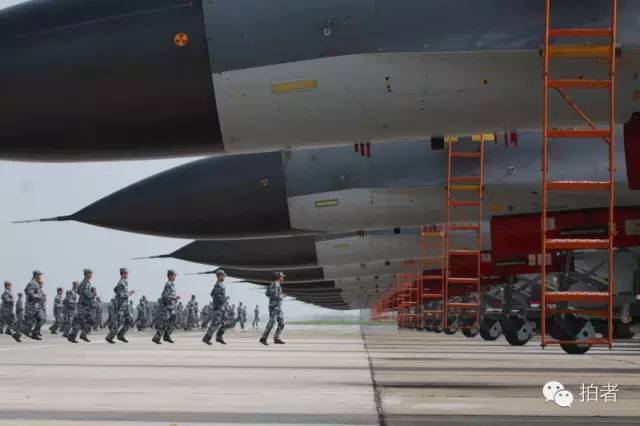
(517, 331)
(470, 332)
(570, 327)
(490, 329)
(438, 328)
(622, 330)
(451, 330)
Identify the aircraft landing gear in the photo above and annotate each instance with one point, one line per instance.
(490, 329)
(517, 331)
(622, 330)
(570, 327)
(471, 332)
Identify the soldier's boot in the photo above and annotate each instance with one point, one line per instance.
(219, 338)
(16, 337)
(278, 341)
(84, 337)
(156, 337)
(72, 336)
(122, 338)
(167, 338)
(35, 336)
(263, 340)
(110, 337)
(207, 339)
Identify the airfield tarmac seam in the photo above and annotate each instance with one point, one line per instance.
(377, 396)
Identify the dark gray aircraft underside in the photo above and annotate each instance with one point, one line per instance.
(111, 79)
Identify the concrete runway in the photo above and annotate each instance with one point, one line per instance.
(322, 376)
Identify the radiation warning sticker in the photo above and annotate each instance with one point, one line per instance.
(181, 39)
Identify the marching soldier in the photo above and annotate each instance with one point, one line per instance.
(19, 312)
(69, 309)
(7, 317)
(58, 315)
(167, 310)
(122, 316)
(274, 293)
(242, 315)
(33, 318)
(217, 313)
(86, 307)
(141, 320)
(256, 317)
(98, 317)
(180, 316)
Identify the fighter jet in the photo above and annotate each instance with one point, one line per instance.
(327, 272)
(303, 251)
(333, 190)
(90, 80)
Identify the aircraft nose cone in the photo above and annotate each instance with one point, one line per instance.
(104, 79)
(211, 198)
(260, 253)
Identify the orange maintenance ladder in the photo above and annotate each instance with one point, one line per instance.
(553, 50)
(458, 224)
(407, 294)
(431, 272)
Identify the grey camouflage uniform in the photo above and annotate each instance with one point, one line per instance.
(68, 311)
(19, 312)
(84, 317)
(58, 314)
(256, 318)
(217, 313)
(7, 317)
(122, 317)
(274, 293)
(166, 311)
(33, 318)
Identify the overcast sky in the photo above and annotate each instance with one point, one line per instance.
(62, 250)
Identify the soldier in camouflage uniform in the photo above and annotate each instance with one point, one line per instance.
(69, 305)
(58, 315)
(231, 316)
(274, 293)
(242, 315)
(196, 313)
(180, 317)
(205, 316)
(7, 317)
(217, 314)
(20, 312)
(166, 310)
(83, 319)
(256, 317)
(99, 311)
(33, 318)
(192, 313)
(141, 320)
(122, 315)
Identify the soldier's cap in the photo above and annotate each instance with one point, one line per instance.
(86, 271)
(221, 272)
(280, 275)
(123, 270)
(171, 272)
(37, 272)
(6, 283)
(60, 289)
